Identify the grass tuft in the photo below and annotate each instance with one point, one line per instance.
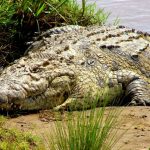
(94, 129)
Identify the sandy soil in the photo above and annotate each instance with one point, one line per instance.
(135, 119)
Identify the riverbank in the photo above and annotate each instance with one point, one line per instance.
(135, 123)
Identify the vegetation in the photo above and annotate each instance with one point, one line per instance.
(21, 19)
(12, 139)
(86, 130)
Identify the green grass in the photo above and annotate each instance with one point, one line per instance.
(50, 12)
(13, 139)
(21, 19)
(25, 17)
(95, 129)
(86, 130)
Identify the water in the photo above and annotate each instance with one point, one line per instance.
(132, 13)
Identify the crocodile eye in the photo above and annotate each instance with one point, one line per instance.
(135, 57)
(90, 62)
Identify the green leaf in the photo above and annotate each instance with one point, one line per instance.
(41, 9)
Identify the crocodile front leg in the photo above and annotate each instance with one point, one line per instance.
(138, 91)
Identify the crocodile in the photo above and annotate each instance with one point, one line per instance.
(71, 67)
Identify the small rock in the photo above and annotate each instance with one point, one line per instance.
(143, 116)
(142, 129)
(126, 142)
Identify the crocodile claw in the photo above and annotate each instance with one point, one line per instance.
(137, 103)
(140, 102)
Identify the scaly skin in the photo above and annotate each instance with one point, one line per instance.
(66, 64)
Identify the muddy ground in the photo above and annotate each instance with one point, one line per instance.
(135, 125)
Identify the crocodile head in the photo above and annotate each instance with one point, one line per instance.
(34, 84)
